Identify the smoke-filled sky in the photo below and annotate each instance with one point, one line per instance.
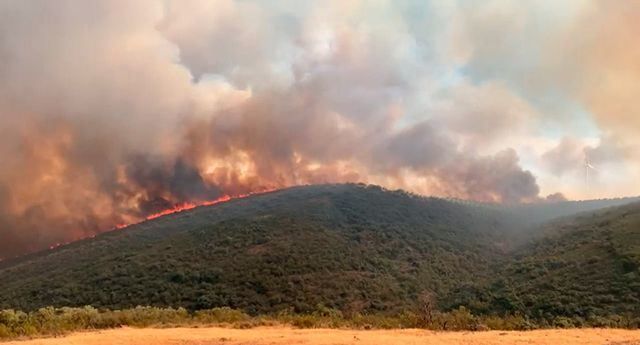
(111, 110)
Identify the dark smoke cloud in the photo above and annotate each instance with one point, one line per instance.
(165, 186)
(556, 197)
(114, 110)
(497, 177)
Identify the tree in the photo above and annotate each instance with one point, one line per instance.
(427, 307)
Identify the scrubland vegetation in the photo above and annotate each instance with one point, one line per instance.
(340, 256)
(59, 321)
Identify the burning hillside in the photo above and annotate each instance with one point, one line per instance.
(118, 129)
(113, 111)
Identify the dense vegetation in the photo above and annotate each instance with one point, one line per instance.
(58, 321)
(52, 321)
(580, 268)
(358, 250)
(348, 247)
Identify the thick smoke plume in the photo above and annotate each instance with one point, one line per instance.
(113, 110)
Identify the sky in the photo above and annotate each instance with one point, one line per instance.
(112, 110)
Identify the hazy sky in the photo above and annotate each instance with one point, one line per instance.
(114, 109)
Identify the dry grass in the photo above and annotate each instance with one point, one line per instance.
(287, 336)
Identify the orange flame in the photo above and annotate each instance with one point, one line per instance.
(189, 206)
(176, 209)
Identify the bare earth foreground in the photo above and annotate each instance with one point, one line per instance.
(281, 335)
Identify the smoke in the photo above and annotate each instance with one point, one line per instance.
(606, 77)
(568, 156)
(114, 110)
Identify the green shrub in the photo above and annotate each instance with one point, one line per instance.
(221, 315)
(56, 321)
(508, 323)
(306, 321)
(456, 320)
(323, 311)
(563, 322)
(5, 332)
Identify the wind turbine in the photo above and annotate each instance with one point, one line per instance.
(587, 168)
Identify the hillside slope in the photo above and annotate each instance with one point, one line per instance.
(587, 266)
(345, 246)
(352, 247)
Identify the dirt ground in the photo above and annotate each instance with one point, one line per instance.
(281, 336)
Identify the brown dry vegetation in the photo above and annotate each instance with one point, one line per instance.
(283, 335)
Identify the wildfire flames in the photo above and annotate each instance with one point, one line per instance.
(186, 206)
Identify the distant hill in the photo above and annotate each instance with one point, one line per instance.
(352, 247)
(589, 265)
(580, 267)
(539, 213)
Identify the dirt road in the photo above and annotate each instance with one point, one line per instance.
(282, 336)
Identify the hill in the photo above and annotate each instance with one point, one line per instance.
(581, 268)
(351, 247)
(344, 246)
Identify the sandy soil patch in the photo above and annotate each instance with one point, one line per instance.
(282, 336)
